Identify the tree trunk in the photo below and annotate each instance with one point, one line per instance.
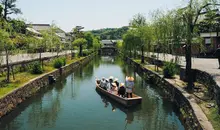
(8, 67)
(40, 58)
(80, 50)
(12, 70)
(5, 10)
(189, 76)
(142, 54)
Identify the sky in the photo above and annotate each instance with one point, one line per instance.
(91, 14)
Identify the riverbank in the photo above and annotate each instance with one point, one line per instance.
(191, 114)
(204, 73)
(9, 101)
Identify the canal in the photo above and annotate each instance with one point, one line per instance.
(74, 104)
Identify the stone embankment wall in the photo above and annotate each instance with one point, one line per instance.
(209, 80)
(198, 76)
(173, 93)
(11, 100)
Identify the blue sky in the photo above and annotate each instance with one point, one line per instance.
(92, 14)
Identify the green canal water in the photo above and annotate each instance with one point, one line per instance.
(74, 104)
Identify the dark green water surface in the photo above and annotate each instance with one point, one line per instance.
(74, 104)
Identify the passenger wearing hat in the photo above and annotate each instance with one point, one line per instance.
(129, 86)
(122, 90)
(117, 83)
(114, 88)
(103, 83)
(111, 80)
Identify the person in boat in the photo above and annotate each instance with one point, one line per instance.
(114, 88)
(122, 90)
(117, 83)
(103, 83)
(111, 80)
(129, 86)
(108, 85)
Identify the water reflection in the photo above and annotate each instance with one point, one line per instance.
(116, 106)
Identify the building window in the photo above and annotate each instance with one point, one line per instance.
(208, 41)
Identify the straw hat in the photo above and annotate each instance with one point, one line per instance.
(114, 84)
(116, 79)
(111, 77)
(130, 79)
(122, 84)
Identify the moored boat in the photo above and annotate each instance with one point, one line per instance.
(127, 102)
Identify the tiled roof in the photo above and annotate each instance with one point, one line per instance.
(33, 30)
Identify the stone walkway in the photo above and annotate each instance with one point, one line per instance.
(204, 64)
(26, 57)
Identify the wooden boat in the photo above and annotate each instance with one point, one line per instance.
(127, 102)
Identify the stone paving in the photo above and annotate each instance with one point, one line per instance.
(204, 64)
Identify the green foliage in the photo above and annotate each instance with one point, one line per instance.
(36, 68)
(89, 38)
(64, 61)
(110, 33)
(5, 42)
(138, 20)
(169, 69)
(59, 62)
(79, 41)
(96, 43)
(20, 41)
(18, 26)
(87, 52)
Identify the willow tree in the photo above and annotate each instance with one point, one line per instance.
(95, 43)
(190, 15)
(138, 23)
(131, 42)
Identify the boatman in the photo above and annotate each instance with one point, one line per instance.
(129, 83)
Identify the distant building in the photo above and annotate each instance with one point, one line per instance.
(211, 41)
(31, 31)
(42, 27)
(109, 43)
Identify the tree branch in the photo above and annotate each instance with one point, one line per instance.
(199, 11)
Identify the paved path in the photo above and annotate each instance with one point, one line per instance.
(204, 64)
(32, 56)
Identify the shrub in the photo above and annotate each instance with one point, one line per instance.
(58, 63)
(36, 68)
(86, 52)
(64, 61)
(169, 69)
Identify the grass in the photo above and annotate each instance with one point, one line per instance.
(212, 115)
(23, 77)
(20, 79)
(153, 68)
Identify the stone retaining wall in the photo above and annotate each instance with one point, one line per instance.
(209, 80)
(198, 76)
(173, 93)
(11, 100)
